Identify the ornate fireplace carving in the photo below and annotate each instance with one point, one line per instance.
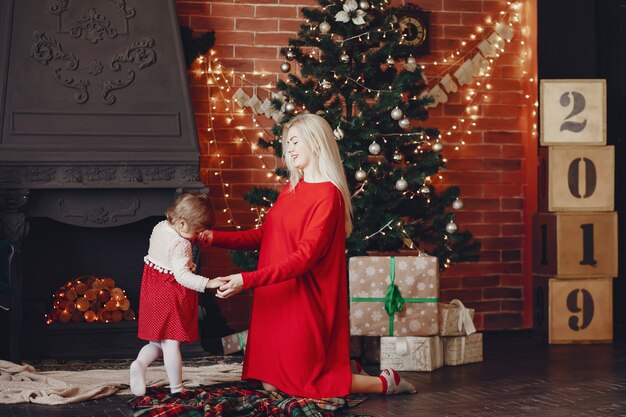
(96, 123)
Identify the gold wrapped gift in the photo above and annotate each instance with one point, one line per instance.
(411, 353)
(455, 319)
(458, 350)
(394, 295)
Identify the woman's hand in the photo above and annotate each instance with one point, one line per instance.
(232, 284)
(204, 238)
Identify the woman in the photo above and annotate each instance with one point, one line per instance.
(298, 341)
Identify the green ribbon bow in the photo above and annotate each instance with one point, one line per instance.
(394, 302)
(242, 343)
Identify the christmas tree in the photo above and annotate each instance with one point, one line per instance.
(356, 71)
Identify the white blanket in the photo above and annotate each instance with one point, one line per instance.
(22, 383)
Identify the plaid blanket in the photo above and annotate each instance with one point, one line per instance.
(238, 399)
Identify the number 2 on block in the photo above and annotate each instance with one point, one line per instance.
(578, 104)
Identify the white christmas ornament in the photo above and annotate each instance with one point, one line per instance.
(402, 184)
(290, 55)
(290, 107)
(437, 147)
(350, 8)
(425, 189)
(285, 66)
(396, 114)
(324, 27)
(364, 5)
(374, 148)
(338, 132)
(344, 58)
(360, 175)
(389, 61)
(404, 123)
(451, 227)
(457, 204)
(411, 60)
(325, 84)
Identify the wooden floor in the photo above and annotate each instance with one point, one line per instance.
(519, 377)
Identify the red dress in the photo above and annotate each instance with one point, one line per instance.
(167, 310)
(298, 339)
(168, 300)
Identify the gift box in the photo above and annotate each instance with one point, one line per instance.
(458, 350)
(235, 342)
(394, 295)
(455, 319)
(411, 353)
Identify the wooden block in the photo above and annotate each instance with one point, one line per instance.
(573, 310)
(575, 245)
(576, 178)
(573, 112)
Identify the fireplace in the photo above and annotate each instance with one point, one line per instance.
(97, 138)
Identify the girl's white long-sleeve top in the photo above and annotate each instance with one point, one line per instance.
(172, 253)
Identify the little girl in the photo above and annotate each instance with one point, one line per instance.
(168, 302)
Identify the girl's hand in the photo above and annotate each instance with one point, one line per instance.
(214, 283)
(231, 285)
(204, 238)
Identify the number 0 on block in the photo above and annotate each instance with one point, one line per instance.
(573, 112)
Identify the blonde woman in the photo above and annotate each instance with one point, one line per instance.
(298, 340)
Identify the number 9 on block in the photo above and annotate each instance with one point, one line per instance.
(573, 310)
(573, 112)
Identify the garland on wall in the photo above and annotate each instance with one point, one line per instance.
(467, 70)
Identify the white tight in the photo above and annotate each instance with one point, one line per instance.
(170, 350)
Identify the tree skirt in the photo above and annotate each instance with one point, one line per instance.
(238, 399)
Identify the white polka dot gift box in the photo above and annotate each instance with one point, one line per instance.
(394, 295)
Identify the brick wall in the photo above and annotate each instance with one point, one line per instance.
(496, 168)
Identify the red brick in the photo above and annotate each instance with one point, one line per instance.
(502, 292)
(289, 25)
(480, 306)
(481, 281)
(189, 8)
(260, 25)
(276, 39)
(277, 12)
(464, 295)
(256, 52)
(203, 23)
(446, 282)
(464, 5)
(232, 10)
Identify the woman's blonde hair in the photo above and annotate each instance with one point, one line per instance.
(195, 208)
(319, 139)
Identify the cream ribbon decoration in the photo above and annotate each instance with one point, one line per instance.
(466, 324)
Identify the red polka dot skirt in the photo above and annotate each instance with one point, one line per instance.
(167, 310)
